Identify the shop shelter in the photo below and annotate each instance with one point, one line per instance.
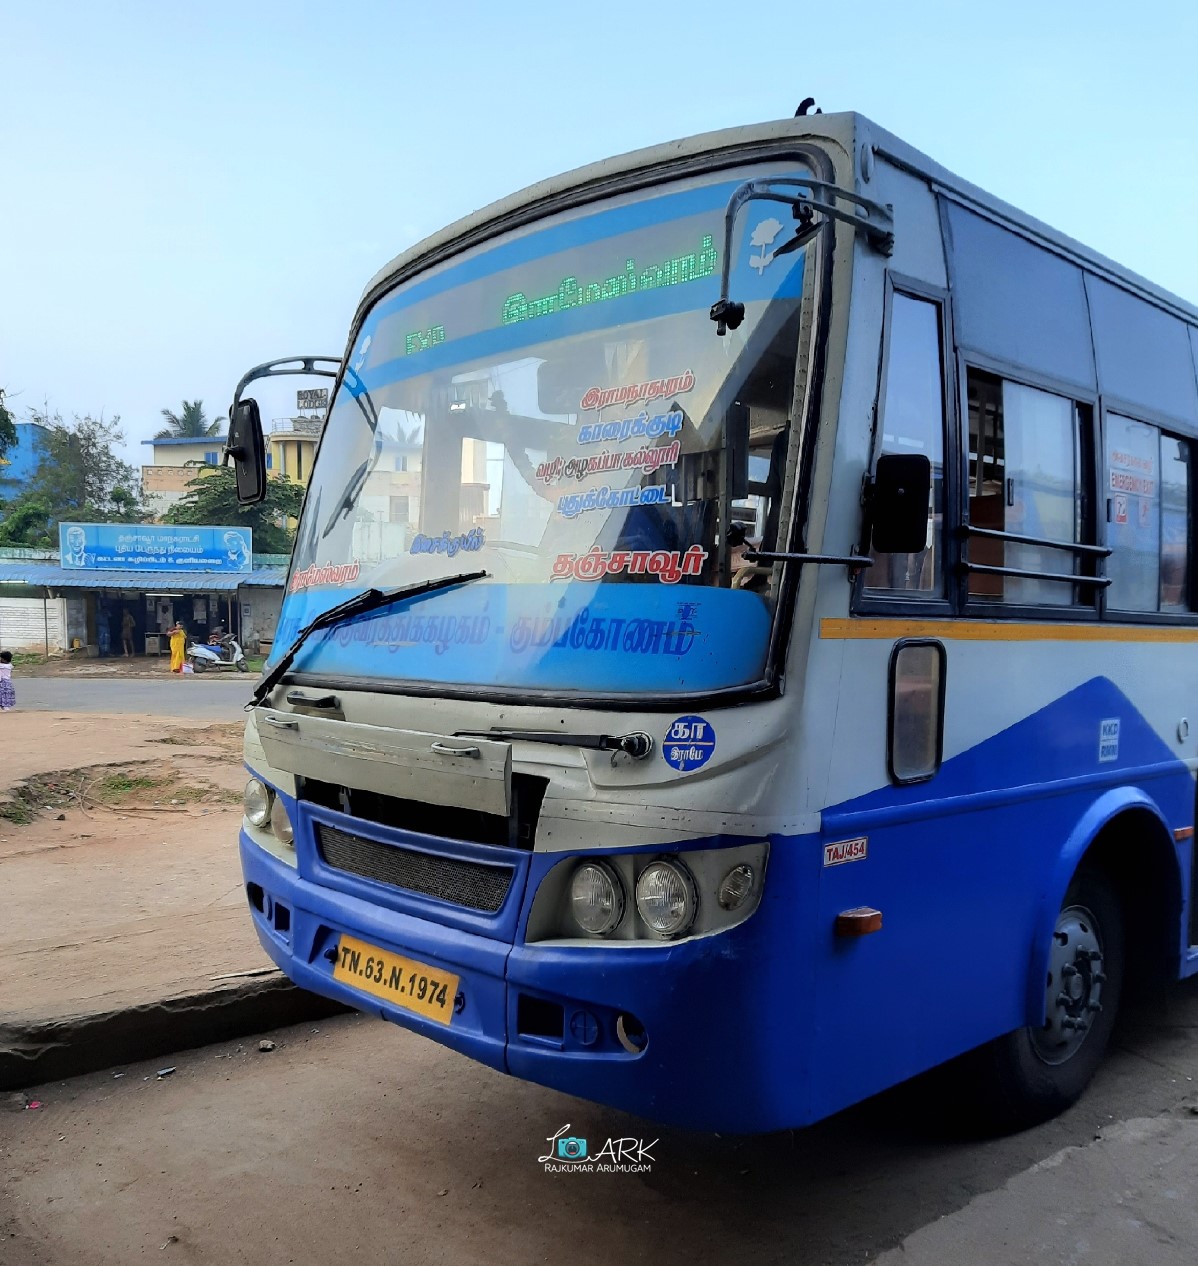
(52, 603)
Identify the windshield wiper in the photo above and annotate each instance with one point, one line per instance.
(638, 744)
(368, 600)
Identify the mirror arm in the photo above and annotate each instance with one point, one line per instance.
(293, 365)
(874, 219)
(853, 562)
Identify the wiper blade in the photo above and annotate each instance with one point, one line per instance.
(368, 600)
(638, 744)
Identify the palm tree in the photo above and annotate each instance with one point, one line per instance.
(190, 424)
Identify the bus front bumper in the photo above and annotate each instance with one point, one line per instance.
(680, 1033)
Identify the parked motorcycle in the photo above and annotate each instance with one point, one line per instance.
(225, 652)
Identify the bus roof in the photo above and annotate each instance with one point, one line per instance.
(847, 131)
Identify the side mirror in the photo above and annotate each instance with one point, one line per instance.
(247, 448)
(899, 496)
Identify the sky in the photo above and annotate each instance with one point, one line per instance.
(189, 190)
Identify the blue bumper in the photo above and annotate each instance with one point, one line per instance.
(713, 1027)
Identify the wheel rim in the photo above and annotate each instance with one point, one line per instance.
(1073, 996)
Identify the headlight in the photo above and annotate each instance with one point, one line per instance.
(665, 897)
(255, 800)
(596, 898)
(280, 823)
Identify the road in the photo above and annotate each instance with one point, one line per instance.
(358, 1142)
(213, 697)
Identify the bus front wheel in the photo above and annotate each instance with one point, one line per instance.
(1040, 1070)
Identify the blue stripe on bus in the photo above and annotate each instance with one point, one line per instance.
(581, 231)
(586, 319)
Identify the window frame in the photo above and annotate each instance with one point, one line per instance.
(1174, 429)
(870, 601)
(808, 416)
(1088, 466)
(896, 650)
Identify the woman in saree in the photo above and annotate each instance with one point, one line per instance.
(178, 645)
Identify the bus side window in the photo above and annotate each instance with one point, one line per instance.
(912, 410)
(1026, 463)
(1148, 517)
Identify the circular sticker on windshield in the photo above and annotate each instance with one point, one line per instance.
(688, 744)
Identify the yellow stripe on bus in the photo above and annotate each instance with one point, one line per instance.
(1000, 631)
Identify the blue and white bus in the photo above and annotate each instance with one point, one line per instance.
(737, 649)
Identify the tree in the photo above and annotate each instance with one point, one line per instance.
(25, 521)
(189, 424)
(8, 429)
(79, 477)
(211, 499)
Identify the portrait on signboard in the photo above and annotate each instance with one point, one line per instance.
(237, 552)
(74, 553)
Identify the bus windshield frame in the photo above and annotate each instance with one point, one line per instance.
(603, 455)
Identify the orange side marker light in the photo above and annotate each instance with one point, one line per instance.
(860, 921)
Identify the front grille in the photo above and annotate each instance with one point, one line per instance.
(475, 885)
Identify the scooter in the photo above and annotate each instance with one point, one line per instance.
(226, 652)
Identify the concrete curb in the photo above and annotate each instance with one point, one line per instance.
(69, 1047)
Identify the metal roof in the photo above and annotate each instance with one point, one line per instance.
(846, 131)
(189, 439)
(47, 575)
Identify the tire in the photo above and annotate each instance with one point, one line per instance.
(200, 664)
(242, 665)
(1037, 1072)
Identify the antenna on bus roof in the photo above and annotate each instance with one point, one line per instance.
(804, 106)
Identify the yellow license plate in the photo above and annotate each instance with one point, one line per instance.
(399, 981)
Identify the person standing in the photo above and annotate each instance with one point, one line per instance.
(128, 625)
(178, 646)
(8, 692)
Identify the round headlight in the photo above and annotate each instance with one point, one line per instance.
(665, 897)
(280, 823)
(596, 898)
(735, 887)
(255, 800)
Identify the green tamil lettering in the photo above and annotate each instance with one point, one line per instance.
(567, 293)
(570, 293)
(515, 308)
(422, 340)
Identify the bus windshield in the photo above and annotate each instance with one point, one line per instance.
(555, 407)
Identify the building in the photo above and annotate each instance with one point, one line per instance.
(292, 446)
(20, 463)
(176, 461)
(75, 598)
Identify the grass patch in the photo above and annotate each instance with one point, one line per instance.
(120, 788)
(115, 786)
(154, 791)
(18, 812)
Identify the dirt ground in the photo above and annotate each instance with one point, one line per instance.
(36, 743)
(356, 1142)
(118, 850)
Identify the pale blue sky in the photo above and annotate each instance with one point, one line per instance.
(190, 190)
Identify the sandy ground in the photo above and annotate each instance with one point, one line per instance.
(121, 884)
(41, 742)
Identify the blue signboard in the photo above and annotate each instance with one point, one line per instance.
(155, 547)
